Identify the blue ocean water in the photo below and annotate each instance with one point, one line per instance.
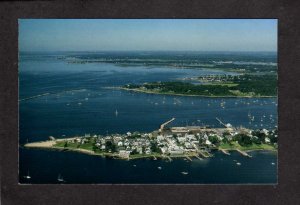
(80, 102)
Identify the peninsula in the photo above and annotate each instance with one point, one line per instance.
(167, 142)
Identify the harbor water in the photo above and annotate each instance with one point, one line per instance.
(63, 99)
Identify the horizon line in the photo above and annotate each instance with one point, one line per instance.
(147, 51)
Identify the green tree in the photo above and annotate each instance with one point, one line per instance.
(110, 146)
(261, 136)
(95, 148)
(134, 152)
(154, 147)
(244, 140)
(213, 139)
(225, 140)
(256, 140)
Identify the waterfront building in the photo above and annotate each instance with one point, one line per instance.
(124, 154)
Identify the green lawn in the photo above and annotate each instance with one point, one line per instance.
(228, 84)
(60, 144)
(236, 145)
(87, 146)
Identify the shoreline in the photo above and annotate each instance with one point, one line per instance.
(49, 145)
(178, 94)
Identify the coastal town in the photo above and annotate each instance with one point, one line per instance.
(169, 142)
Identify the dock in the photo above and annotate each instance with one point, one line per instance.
(162, 126)
(197, 156)
(221, 122)
(243, 153)
(188, 158)
(204, 153)
(224, 151)
(169, 158)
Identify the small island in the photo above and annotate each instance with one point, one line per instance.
(213, 86)
(168, 142)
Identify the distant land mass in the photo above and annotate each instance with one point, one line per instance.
(214, 86)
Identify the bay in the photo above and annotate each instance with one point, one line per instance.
(80, 103)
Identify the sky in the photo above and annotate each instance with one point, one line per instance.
(147, 34)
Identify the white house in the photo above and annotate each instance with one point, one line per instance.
(163, 150)
(207, 142)
(124, 154)
(181, 139)
(265, 131)
(267, 140)
(160, 137)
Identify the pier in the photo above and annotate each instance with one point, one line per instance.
(224, 151)
(188, 158)
(204, 153)
(169, 158)
(197, 156)
(221, 122)
(243, 153)
(162, 126)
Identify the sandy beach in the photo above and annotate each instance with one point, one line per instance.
(48, 143)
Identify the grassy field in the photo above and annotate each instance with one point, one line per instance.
(71, 145)
(235, 145)
(228, 84)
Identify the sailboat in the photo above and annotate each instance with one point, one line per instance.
(116, 113)
(60, 178)
(27, 176)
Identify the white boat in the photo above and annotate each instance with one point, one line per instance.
(238, 163)
(27, 176)
(184, 173)
(116, 113)
(60, 178)
(159, 168)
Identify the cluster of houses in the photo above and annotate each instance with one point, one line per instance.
(217, 78)
(171, 143)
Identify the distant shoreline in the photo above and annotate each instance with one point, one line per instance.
(178, 94)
